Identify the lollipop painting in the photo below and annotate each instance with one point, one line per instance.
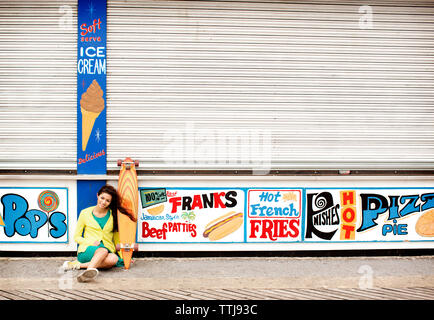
(48, 201)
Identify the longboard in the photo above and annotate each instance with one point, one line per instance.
(129, 192)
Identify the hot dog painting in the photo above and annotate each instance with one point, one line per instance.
(223, 226)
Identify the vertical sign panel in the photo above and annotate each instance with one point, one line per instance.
(91, 87)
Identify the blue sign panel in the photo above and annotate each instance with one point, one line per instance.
(91, 87)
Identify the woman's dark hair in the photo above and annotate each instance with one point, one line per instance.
(116, 205)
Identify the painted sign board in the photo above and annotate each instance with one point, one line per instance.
(184, 214)
(91, 87)
(33, 215)
(285, 215)
(219, 215)
(273, 215)
(369, 214)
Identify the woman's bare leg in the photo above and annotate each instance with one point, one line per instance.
(98, 258)
(110, 260)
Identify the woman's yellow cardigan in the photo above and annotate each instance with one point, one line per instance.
(93, 232)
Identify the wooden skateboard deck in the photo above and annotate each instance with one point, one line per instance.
(129, 192)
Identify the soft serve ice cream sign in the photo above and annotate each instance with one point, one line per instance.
(91, 87)
(92, 58)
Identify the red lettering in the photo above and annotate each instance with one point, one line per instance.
(294, 225)
(192, 230)
(274, 229)
(90, 39)
(98, 23)
(267, 229)
(278, 229)
(254, 227)
(89, 157)
(349, 214)
(83, 27)
(171, 193)
(283, 229)
(176, 202)
(348, 231)
(153, 232)
(149, 232)
(348, 198)
(217, 201)
(174, 226)
(91, 28)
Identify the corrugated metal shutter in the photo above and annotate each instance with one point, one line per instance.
(191, 83)
(38, 44)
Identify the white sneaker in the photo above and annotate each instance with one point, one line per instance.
(87, 275)
(71, 265)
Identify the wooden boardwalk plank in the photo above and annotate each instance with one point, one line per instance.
(72, 294)
(234, 294)
(87, 295)
(205, 294)
(38, 295)
(154, 295)
(111, 295)
(210, 294)
(408, 294)
(223, 294)
(255, 294)
(176, 295)
(141, 295)
(13, 295)
(300, 294)
(54, 294)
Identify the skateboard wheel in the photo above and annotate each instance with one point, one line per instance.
(118, 247)
(119, 163)
(136, 163)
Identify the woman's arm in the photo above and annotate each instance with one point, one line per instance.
(79, 231)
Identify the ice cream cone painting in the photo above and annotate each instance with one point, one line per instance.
(92, 104)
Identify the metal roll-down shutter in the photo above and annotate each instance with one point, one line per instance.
(302, 85)
(38, 44)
